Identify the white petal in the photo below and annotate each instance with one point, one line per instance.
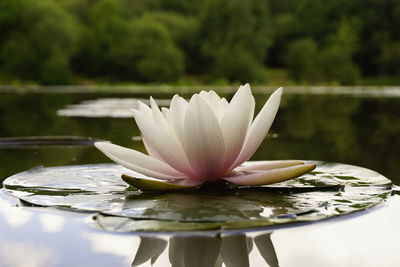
(138, 161)
(203, 139)
(166, 145)
(224, 103)
(158, 115)
(177, 115)
(144, 108)
(260, 127)
(188, 182)
(235, 122)
(267, 165)
(165, 112)
(253, 178)
(216, 103)
(151, 151)
(213, 99)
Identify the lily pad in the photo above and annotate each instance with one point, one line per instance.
(106, 107)
(153, 185)
(46, 141)
(330, 190)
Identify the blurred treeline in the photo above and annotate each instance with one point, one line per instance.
(200, 41)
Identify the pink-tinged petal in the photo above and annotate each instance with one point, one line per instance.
(267, 165)
(235, 122)
(203, 140)
(165, 144)
(188, 182)
(260, 127)
(138, 161)
(151, 151)
(254, 178)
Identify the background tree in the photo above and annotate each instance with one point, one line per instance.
(148, 53)
(306, 41)
(234, 32)
(44, 38)
(184, 30)
(300, 59)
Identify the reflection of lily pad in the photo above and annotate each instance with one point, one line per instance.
(321, 194)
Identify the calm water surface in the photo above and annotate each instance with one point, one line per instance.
(329, 127)
(349, 129)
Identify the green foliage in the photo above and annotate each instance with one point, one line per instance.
(337, 41)
(335, 60)
(56, 69)
(307, 62)
(108, 28)
(236, 65)
(235, 32)
(157, 58)
(184, 32)
(44, 30)
(301, 59)
(18, 57)
(129, 46)
(10, 14)
(148, 53)
(380, 26)
(336, 66)
(184, 7)
(390, 58)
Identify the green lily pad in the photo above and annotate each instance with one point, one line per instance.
(326, 192)
(153, 185)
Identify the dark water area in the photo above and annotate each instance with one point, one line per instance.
(341, 128)
(58, 129)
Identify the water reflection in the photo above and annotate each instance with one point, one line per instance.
(362, 131)
(202, 250)
(42, 237)
(13, 217)
(343, 242)
(52, 223)
(332, 127)
(34, 255)
(35, 237)
(150, 248)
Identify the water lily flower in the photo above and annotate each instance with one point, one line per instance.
(204, 139)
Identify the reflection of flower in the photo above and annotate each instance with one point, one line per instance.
(205, 139)
(207, 250)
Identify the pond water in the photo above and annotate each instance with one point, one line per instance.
(358, 129)
(342, 128)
